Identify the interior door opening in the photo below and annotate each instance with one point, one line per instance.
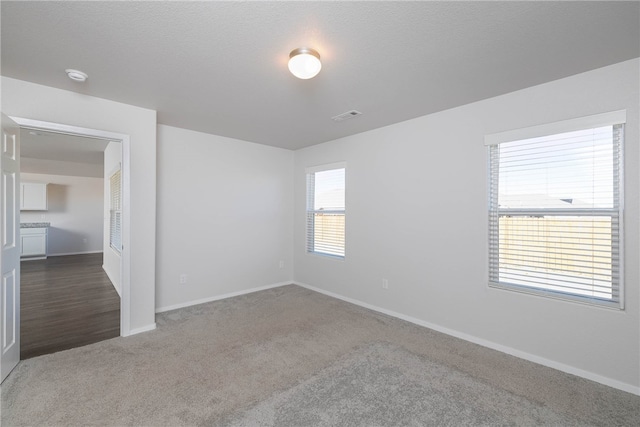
(123, 261)
(70, 266)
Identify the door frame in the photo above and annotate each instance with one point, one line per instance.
(125, 254)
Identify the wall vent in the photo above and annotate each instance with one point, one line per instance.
(345, 116)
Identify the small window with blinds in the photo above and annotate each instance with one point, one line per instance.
(555, 209)
(115, 211)
(326, 210)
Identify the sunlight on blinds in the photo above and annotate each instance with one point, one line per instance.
(554, 217)
(326, 212)
(115, 210)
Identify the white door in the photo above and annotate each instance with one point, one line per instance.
(10, 250)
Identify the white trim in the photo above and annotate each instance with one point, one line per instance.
(330, 166)
(76, 253)
(66, 129)
(125, 259)
(112, 281)
(485, 343)
(147, 328)
(220, 297)
(596, 120)
(125, 252)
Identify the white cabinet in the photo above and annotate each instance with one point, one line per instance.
(33, 242)
(33, 196)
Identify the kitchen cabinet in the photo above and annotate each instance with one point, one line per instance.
(33, 196)
(33, 242)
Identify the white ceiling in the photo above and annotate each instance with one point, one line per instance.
(220, 67)
(54, 153)
(60, 147)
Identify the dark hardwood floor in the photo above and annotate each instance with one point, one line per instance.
(66, 302)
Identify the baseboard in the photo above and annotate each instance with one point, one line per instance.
(33, 258)
(219, 297)
(76, 253)
(485, 343)
(147, 328)
(113, 282)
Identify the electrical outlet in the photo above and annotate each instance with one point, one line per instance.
(183, 278)
(281, 264)
(43, 216)
(385, 284)
(84, 240)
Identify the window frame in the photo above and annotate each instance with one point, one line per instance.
(310, 212)
(617, 211)
(115, 212)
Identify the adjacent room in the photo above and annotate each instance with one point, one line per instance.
(328, 213)
(69, 244)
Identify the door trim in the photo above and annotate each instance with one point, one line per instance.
(125, 256)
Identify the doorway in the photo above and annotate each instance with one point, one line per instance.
(124, 141)
(70, 283)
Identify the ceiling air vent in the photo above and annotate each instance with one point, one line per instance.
(345, 116)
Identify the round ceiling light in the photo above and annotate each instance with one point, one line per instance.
(304, 63)
(76, 75)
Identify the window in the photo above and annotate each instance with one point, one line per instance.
(115, 210)
(555, 209)
(326, 210)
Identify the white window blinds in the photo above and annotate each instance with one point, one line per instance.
(326, 210)
(115, 209)
(555, 213)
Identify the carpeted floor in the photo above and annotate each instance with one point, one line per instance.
(290, 356)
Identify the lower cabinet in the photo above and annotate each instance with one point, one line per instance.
(33, 242)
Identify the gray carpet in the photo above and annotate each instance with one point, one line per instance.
(386, 385)
(289, 356)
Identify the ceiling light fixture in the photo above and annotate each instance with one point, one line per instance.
(76, 75)
(304, 63)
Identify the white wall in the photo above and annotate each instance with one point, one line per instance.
(224, 216)
(37, 102)
(111, 258)
(74, 211)
(416, 208)
(58, 167)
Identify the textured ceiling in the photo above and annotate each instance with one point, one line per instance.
(220, 67)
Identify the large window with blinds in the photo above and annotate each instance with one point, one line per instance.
(115, 211)
(326, 210)
(555, 209)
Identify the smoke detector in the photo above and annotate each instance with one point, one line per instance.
(76, 75)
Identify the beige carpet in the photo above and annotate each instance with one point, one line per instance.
(289, 356)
